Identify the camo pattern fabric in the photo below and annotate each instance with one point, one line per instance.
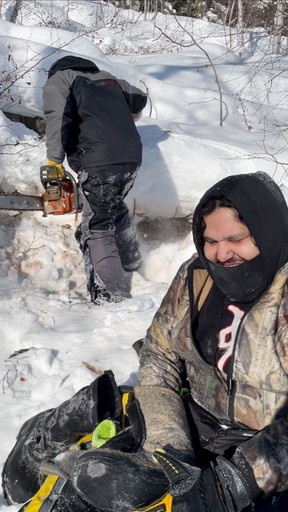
(258, 398)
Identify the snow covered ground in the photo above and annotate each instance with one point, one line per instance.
(53, 340)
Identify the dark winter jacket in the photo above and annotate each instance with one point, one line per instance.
(89, 116)
(254, 394)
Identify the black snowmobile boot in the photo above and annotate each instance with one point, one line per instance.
(63, 498)
(51, 432)
(20, 475)
(114, 481)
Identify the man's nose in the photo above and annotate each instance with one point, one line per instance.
(224, 251)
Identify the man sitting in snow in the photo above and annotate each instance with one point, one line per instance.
(209, 421)
(89, 117)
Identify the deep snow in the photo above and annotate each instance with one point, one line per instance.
(54, 341)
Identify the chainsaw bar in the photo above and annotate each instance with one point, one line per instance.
(60, 195)
(20, 202)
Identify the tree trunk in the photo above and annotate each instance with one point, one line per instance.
(145, 9)
(229, 17)
(230, 12)
(15, 11)
(240, 23)
(279, 20)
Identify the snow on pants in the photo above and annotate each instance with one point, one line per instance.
(106, 226)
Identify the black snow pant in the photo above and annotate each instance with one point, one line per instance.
(106, 235)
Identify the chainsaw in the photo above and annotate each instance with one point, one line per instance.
(60, 195)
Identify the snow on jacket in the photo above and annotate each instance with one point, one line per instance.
(256, 395)
(89, 116)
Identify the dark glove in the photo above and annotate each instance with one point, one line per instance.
(218, 488)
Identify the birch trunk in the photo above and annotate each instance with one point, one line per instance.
(240, 23)
(279, 19)
(15, 11)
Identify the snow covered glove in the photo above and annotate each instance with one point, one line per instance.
(59, 167)
(222, 487)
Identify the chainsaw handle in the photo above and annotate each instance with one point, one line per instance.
(75, 188)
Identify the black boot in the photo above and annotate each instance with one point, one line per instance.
(107, 281)
(96, 287)
(114, 481)
(52, 432)
(127, 242)
(63, 498)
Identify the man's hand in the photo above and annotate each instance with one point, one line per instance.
(59, 167)
(218, 488)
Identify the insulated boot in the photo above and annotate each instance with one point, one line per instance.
(114, 481)
(70, 501)
(20, 475)
(104, 275)
(132, 259)
(107, 280)
(53, 431)
(127, 242)
(62, 498)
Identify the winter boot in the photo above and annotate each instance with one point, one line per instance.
(59, 497)
(53, 431)
(107, 280)
(127, 242)
(114, 481)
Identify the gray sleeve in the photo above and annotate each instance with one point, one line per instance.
(55, 94)
(135, 98)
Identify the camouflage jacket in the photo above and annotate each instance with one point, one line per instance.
(257, 395)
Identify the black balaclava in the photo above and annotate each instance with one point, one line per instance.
(73, 62)
(263, 209)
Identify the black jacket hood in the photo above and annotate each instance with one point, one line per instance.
(72, 62)
(263, 208)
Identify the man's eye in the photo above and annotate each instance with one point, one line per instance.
(238, 240)
(211, 242)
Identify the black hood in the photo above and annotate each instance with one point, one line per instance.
(72, 62)
(263, 208)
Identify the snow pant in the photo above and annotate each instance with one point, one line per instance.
(106, 235)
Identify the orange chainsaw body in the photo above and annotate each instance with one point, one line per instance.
(61, 194)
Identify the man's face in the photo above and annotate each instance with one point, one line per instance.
(227, 241)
